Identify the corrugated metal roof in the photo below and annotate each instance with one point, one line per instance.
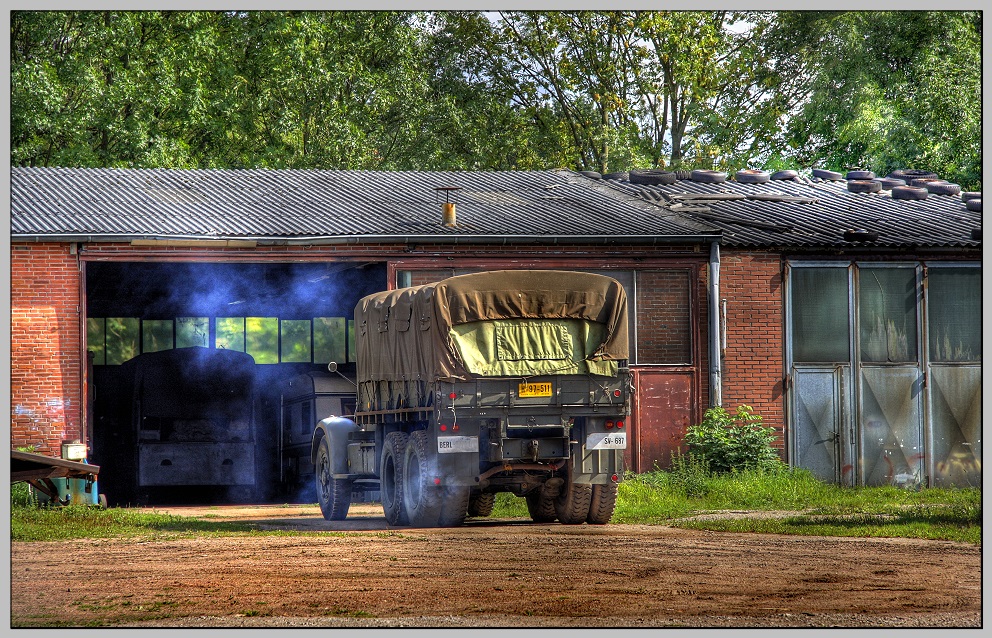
(937, 221)
(538, 206)
(308, 204)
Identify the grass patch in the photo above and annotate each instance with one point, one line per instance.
(660, 497)
(34, 523)
(672, 498)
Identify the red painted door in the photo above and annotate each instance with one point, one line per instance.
(663, 409)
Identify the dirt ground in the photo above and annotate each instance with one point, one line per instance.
(490, 573)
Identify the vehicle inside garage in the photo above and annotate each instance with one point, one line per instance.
(157, 333)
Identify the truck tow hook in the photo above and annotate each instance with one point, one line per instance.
(531, 449)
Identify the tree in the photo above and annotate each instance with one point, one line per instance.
(892, 89)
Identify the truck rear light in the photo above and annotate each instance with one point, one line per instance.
(616, 393)
(437, 481)
(444, 427)
(609, 425)
(615, 478)
(619, 424)
(455, 427)
(453, 396)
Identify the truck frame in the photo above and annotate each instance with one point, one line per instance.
(501, 381)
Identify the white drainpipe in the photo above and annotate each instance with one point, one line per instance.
(713, 307)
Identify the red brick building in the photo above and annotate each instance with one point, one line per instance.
(722, 279)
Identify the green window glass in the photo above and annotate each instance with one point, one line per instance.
(820, 315)
(96, 331)
(262, 339)
(123, 339)
(230, 333)
(954, 321)
(156, 335)
(887, 314)
(294, 343)
(329, 343)
(192, 331)
(351, 341)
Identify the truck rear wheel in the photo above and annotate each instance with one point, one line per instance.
(481, 504)
(454, 505)
(602, 504)
(421, 496)
(333, 495)
(540, 506)
(391, 478)
(572, 502)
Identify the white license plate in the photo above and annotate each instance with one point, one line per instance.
(449, 444)
(606, 441)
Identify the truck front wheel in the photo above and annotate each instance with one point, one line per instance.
(540, 505)
(391, 478)
(481, 505)
(333, 495)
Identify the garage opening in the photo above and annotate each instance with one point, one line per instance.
(187, 361)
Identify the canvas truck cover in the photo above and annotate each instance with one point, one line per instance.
(496, 323)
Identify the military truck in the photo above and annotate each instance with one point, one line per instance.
(500, 381)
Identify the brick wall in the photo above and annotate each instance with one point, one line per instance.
(664, 328)
(45, 365)
(754, 358)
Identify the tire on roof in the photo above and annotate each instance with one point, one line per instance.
(923, 181)
(864, 185)
(888, 183)
(943, 188)
(859, 234)
(966, 195)
(784, 175)
(859, 175)
(974, 205)
(708, 177)
(911, 174)
(651, 176)
(591, 174)
(823, 173)
(909, 192)
(750, 176)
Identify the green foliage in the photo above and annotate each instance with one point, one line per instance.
(887, 90)
(733, 443)
(472, 90)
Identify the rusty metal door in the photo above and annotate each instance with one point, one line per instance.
(663, 409)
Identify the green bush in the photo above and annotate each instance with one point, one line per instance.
(690, 474)
(733, 443)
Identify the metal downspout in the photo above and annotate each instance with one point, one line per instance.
(713, 306)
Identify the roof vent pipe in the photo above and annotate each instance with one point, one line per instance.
(448, 206)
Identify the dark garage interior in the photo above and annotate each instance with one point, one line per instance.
(290, 318)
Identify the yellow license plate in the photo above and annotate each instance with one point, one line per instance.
(534, 390)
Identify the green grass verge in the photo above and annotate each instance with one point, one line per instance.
(669, 498)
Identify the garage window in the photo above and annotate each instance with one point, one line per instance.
(329, 340)
(294, 343)
(192, 331)
(156, 335)
(262, 339)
